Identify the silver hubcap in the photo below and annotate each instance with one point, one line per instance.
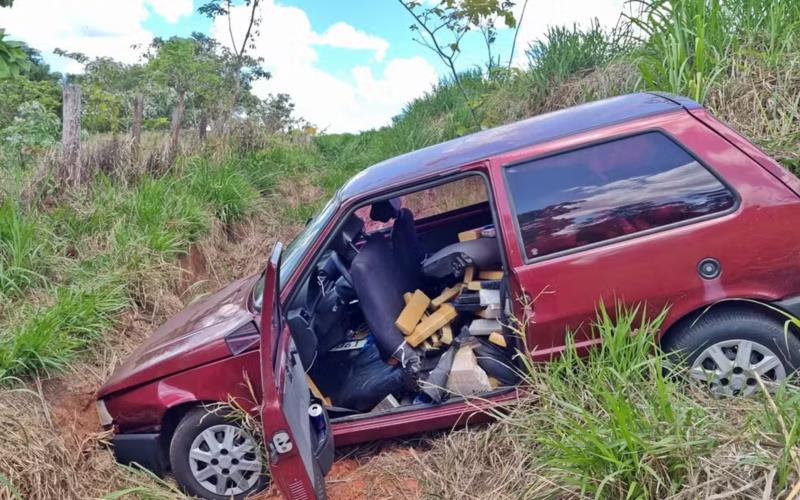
(730, 367)
(224, 459)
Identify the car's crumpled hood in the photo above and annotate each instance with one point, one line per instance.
(188, 339)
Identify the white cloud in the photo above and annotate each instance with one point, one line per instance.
(345, 36)
(368, 97)
(98, 28)
(540, 15)
(172, 10)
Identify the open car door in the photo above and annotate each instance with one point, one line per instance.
(297, 432)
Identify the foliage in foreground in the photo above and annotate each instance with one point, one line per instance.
(618, 423)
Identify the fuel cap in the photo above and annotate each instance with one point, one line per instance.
(709, 268)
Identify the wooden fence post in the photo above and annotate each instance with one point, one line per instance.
(71, 136)
(136, 122)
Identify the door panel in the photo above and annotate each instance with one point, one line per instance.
(288, 432)
(296, 401)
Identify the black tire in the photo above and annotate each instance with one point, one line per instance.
(724, 324)
(190, 427)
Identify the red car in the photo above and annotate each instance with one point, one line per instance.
(643, 198)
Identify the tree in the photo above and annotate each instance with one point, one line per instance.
(242, 67)
(13, 58)
(441, 27)
(34, 129)
(182, 65)
(211, 100)
(277, 113)
(19, 90)
(38, 70)
(109, 88)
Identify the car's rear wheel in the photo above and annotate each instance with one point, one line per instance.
(729, 349)
(213, 457)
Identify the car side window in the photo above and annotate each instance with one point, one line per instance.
(609, 190)
(435, 200)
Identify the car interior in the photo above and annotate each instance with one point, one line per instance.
(405, 309)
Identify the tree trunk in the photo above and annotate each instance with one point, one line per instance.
(136, 122)
(237, 88)
(225, 120)
(70, 171)
(202, 126)
(175, 130)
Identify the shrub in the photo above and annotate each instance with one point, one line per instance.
(222, 187)
(33, 130)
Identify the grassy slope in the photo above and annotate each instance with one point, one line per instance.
(69, 268)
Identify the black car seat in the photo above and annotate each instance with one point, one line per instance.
(404, 233)
(380, 278)
(406, 244)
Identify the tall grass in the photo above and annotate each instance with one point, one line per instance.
(23, 258)
(619, 422)
(68, 270)
(565, 51)
(44, 339)
(613, 423)
(688, 45)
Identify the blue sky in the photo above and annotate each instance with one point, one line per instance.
(349, 64)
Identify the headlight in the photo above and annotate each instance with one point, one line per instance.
(102, 412)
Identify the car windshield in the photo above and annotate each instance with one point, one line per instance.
(294, 252)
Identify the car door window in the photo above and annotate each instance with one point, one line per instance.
(609, 190)
(435, 201)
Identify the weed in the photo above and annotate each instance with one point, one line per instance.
(22, 250)
(612, 423)
(46, 338)
(222, 187)
(565, 51)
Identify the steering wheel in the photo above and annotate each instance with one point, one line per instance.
(339, 264)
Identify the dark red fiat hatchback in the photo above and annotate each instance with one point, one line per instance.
(391, 308)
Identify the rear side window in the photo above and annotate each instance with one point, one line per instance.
(610, 190)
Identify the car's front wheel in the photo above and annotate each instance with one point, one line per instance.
(730, 349)
(213, 457)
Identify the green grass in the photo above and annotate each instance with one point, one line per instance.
(689, 46)
(619, 422)
(165, 215)
(616, 423)
(46, 338)
(23, 250)
(564, 51)
(68, 270)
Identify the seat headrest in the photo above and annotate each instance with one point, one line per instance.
(349, 234)
(384, 211)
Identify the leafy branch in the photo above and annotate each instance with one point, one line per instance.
(442, 27)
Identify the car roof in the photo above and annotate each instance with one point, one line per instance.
(487, 143)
